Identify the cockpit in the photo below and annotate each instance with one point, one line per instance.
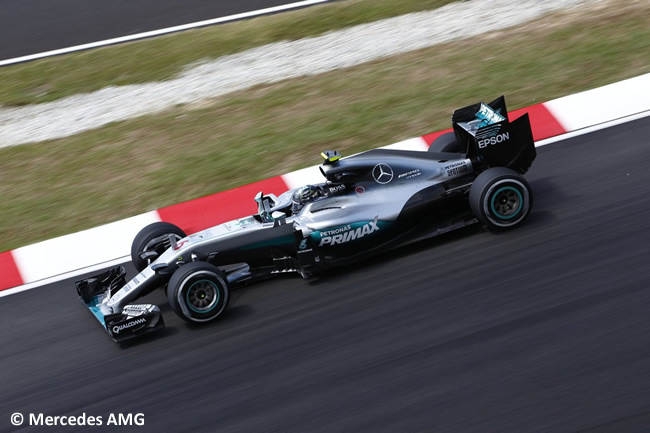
(290, 203)
(293, 201)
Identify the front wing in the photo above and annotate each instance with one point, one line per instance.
(134, 319)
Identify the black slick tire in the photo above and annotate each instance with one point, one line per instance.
(198, 292)
(142, 240)
(446, 143)
(500, 198)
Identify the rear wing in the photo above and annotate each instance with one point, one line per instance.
(491, 140)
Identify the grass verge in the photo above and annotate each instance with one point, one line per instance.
(50, 189)
(163, 57)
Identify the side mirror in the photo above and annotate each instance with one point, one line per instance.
(264, 204)
(279, 218)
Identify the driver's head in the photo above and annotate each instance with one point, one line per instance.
(304, 195)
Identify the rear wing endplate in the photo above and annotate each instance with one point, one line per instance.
(490, 139)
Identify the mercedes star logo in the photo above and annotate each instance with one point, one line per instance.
(382, 173)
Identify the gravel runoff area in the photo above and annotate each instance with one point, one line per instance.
(270, 63)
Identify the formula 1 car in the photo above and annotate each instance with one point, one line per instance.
(368, 203)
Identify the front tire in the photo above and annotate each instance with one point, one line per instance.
(198, 292)
(500, 198)
(143, 241)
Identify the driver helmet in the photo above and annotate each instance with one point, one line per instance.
(304, 195)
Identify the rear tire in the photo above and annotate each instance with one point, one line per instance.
(198, 292)
(145, 236)
(500, 198)
(445, 143)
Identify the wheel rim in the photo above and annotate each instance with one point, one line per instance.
(506, 203)
(202, 296)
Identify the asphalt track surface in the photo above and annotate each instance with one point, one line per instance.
(541, 329)
(34, 26)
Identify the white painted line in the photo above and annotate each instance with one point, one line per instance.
(417, 143)
(164, 31)
(65, 276)
(595, 106)
(593, 128)
(68, 253)
(302, 177)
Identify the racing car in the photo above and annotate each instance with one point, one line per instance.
(367, 203)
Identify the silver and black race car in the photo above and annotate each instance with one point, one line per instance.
(368, 203)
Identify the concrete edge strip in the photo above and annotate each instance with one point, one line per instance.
(64, 276)
(593, 128)
(59, 258)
